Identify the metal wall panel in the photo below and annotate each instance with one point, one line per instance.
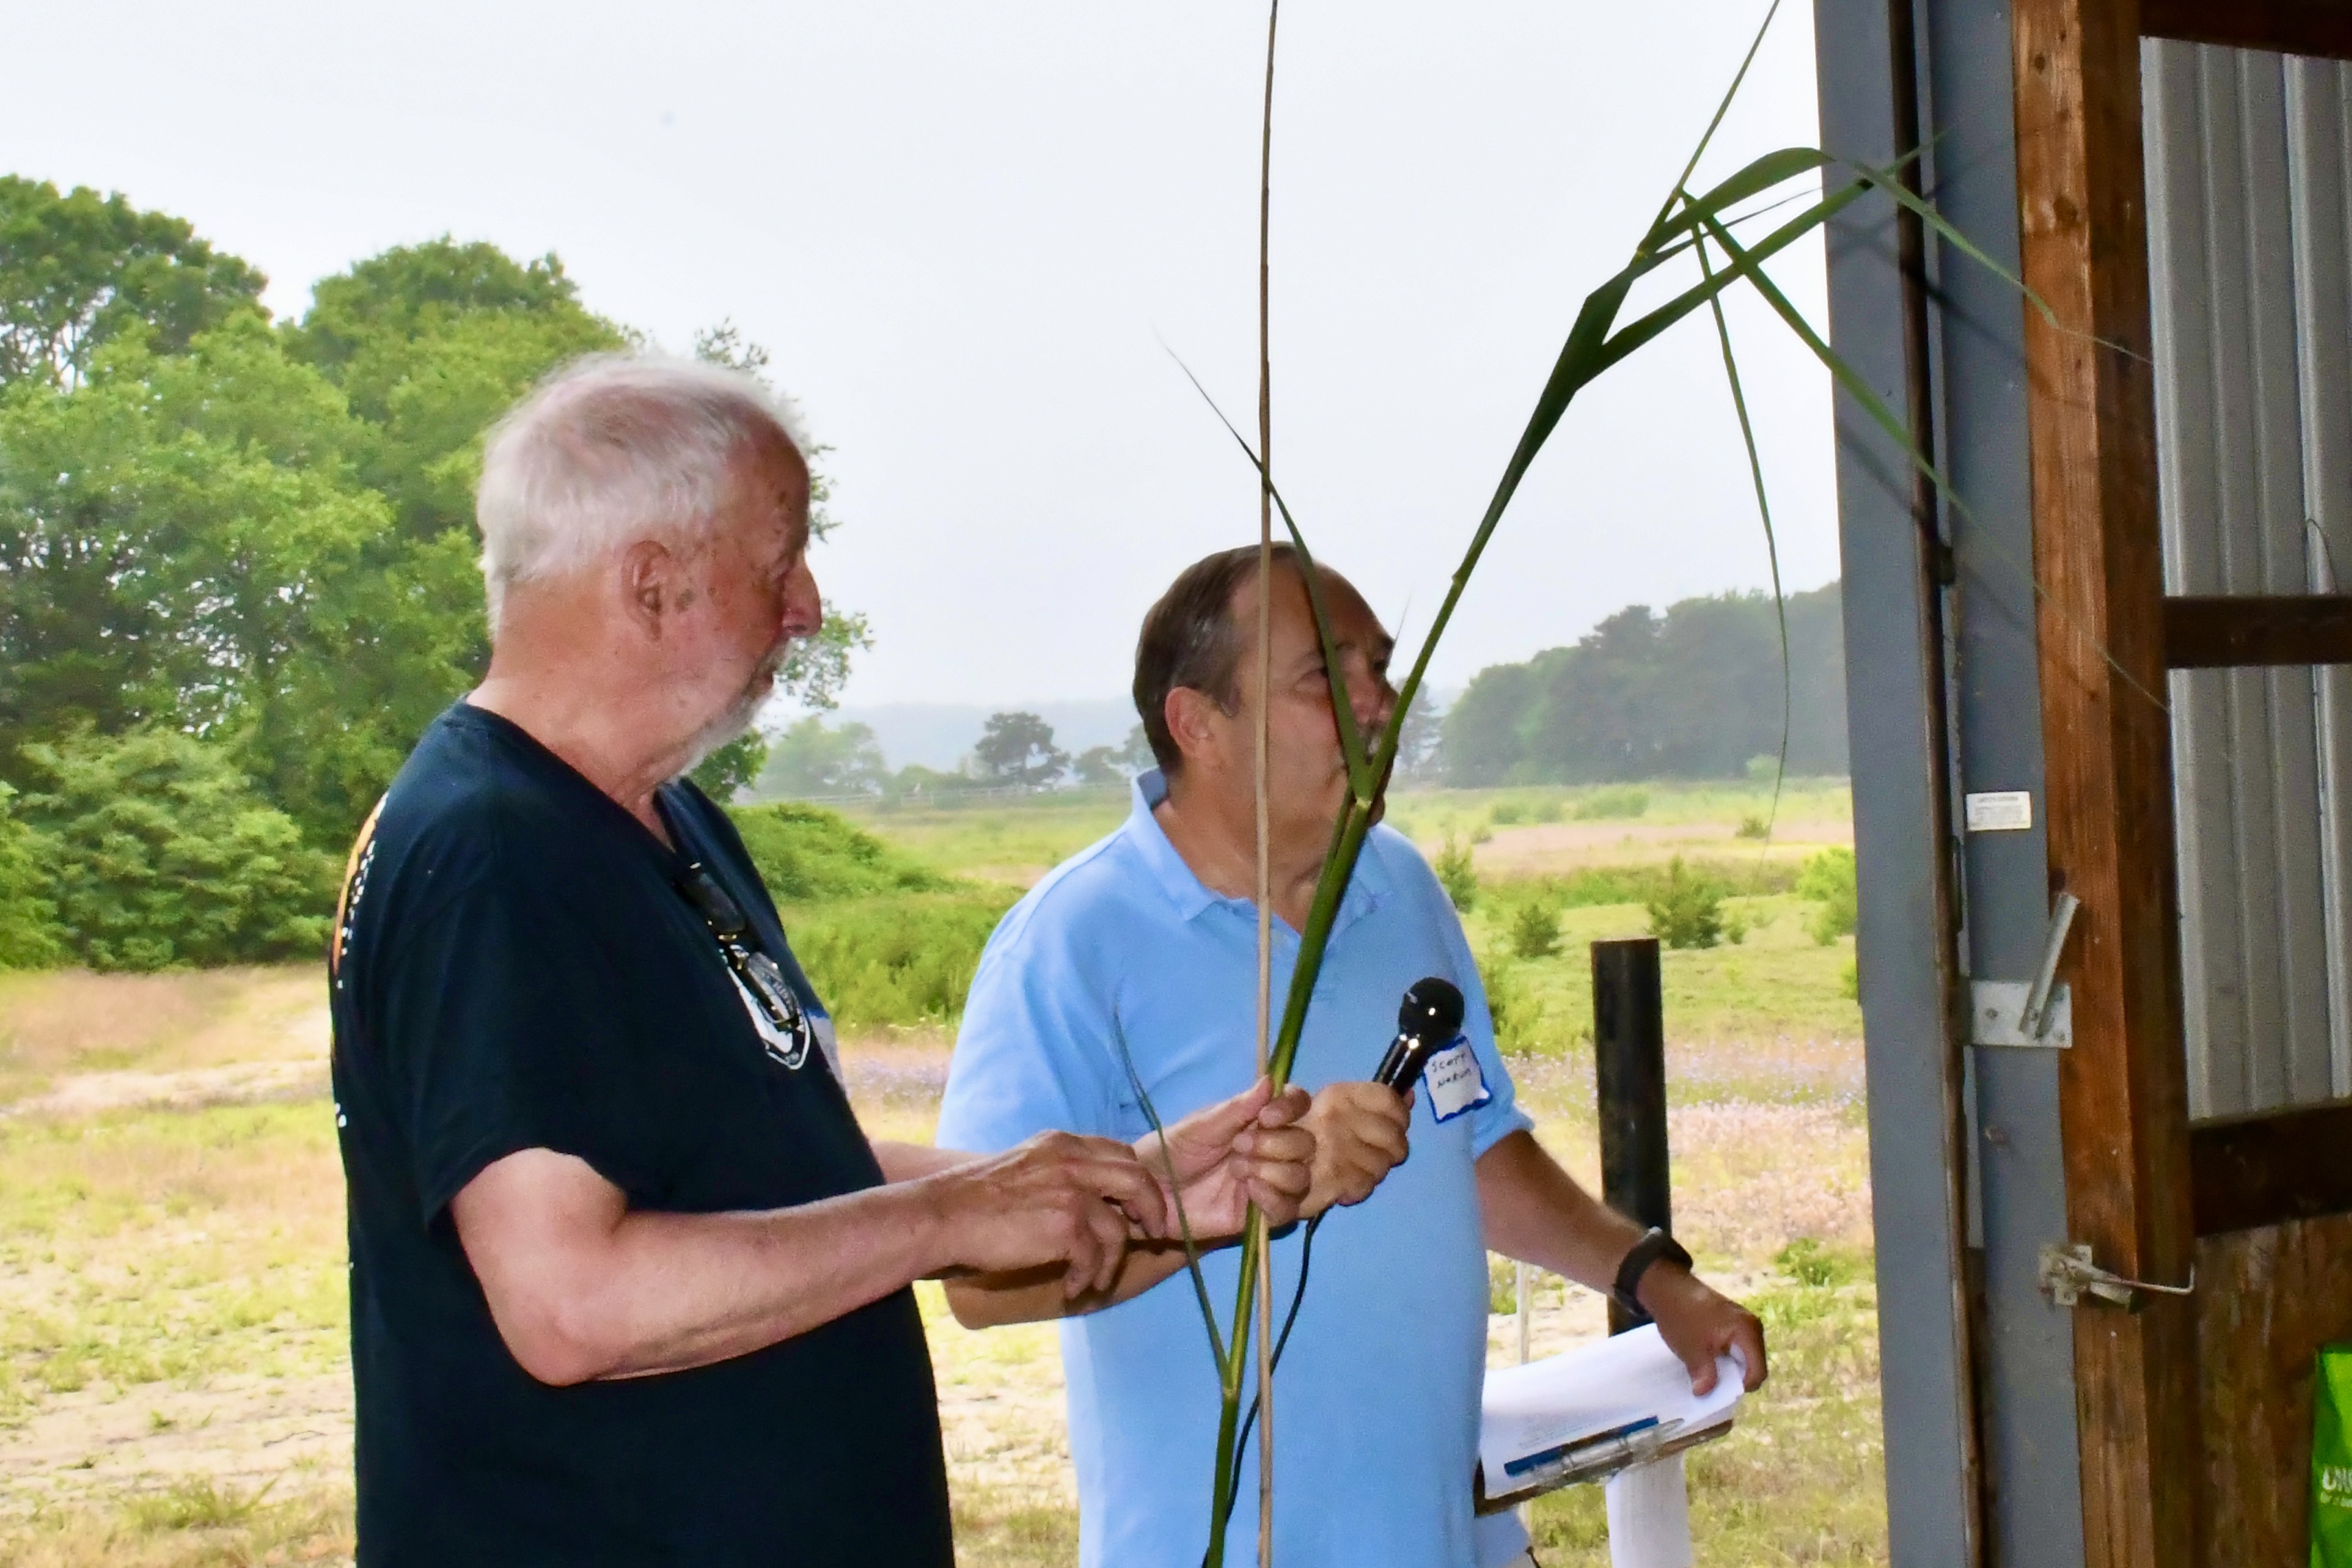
(2319, 157)
(2235, 377)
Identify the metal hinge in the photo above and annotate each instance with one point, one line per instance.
(2067, 1275)
(2039, 1012)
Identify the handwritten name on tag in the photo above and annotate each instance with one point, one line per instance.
(1455, 1082)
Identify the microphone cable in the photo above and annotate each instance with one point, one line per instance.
(1428, 1020)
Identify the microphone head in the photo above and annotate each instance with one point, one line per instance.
(1432, 1010)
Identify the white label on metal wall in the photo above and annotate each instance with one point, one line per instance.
(2003, 811)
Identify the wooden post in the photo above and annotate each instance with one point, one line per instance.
(1629, 1070)
(2122, 1088)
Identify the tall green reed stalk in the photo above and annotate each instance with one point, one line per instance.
(1695, 228)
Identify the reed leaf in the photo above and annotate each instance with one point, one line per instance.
(1771, 542)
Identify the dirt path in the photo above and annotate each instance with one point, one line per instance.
(101, 1442)
(243, 1083)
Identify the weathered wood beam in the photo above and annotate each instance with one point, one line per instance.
(2222, 632)
(2266, 1300)
(2322, 27)
(2271, 1167)
(2123, 1095)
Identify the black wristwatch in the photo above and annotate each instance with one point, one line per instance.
(1654, 1245)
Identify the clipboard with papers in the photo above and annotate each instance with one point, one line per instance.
(1587, 1414)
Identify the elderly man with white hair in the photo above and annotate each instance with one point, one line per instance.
(628, 1282)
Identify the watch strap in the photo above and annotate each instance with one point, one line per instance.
(1654, 1245)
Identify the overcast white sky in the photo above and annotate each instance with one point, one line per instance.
(964, 227)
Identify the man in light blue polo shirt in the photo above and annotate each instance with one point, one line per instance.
(1135, 963)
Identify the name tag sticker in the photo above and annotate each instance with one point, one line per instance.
(1454, 1081)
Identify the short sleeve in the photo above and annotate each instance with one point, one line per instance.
(499, 1029)
(1034, 1054)
(1500, 1117)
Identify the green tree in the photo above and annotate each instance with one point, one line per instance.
(817, 667)
(1694, 693)
(1417, 743)
(726, 771)
(1018, 748)
(1458, 874)
(815, 759)
(1534, 930)
(182, 542)
(79, 270)
(408, 293)
(1688, 910)
(162, 854)
(29, 938)
(1827, 879)
(1099, 765)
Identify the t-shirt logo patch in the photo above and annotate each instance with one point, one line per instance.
(776, 1011)
(1455, 1084)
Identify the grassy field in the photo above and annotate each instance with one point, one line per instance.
(173, 1382)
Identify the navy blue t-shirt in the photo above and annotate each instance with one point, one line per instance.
(515, 968)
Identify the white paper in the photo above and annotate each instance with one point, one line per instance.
(1649, 1516)
(1623, 1381)
(2000, 812)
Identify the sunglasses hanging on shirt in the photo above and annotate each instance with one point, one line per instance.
(784, 1024)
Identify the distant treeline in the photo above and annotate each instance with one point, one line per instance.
(1692, 693)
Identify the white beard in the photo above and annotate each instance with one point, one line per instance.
(737, 715)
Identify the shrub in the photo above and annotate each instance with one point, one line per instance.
(1688, 911)
(1456, 874)
(1817, 1267)
(1507, 812)
(1752, 826)
(28, 917)
(903, 959)
(1608, 805)
(160, 853)
(1534, 930)
(1827, 879)
(1509, 1002)
(807, 855)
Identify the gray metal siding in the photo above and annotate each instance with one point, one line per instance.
(2319, 157)
(2247, 202)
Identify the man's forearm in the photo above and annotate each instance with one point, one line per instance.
(1036, 1295)
(1536, 1212)
(614, 1293)
(1028, 1295)
(913, 1162)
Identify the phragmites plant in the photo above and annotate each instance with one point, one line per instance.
(1696, 230)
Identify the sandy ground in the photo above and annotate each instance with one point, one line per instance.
(1538, 848)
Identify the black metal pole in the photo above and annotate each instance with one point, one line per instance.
(1629, 1065)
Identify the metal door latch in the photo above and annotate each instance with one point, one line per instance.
(2039, 1012)
(2067, 1275)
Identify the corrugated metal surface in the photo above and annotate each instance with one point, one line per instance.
(2319, 155)
(2248, 203)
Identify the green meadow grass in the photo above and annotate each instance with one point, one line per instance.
(1013, 841)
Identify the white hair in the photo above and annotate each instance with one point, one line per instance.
(612, 449)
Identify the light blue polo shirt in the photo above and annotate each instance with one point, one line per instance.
(1376, 1408)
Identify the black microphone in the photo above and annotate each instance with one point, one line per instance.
(1426, 1023)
